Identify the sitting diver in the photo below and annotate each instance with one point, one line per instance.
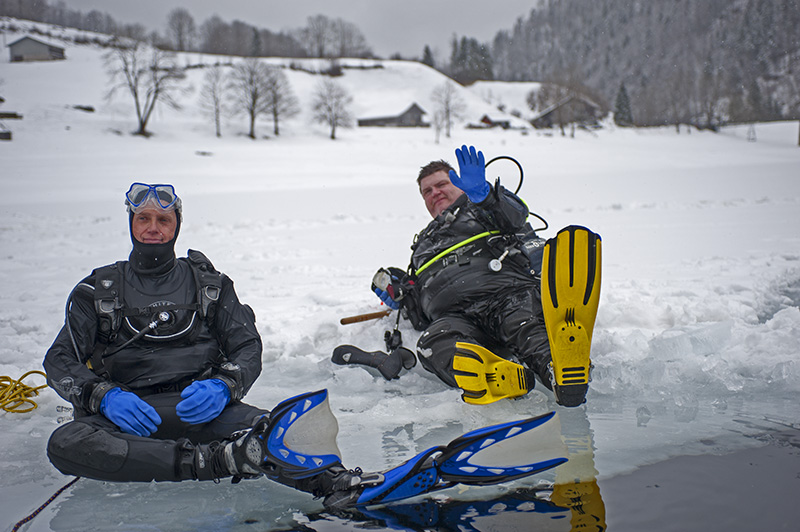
(482, 282)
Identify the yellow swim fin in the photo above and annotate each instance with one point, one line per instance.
(570, 295)
(485, 377)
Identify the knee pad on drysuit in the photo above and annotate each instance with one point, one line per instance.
(80, 449)
(437, 346)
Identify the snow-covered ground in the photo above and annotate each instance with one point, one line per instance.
(695, 347)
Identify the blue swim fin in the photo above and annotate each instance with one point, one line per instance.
(491, 455)
(296, 446)
(301, 436)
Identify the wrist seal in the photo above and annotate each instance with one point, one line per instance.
(98, 392)
(231, 374)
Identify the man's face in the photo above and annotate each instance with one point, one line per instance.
(438, 192)
(154, 226)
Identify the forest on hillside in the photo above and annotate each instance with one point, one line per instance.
(690, 61)
(699, 62)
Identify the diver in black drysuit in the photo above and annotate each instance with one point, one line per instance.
(157, 368)
(181, 384)
(474, 275)
(461, 299)
(156, 371)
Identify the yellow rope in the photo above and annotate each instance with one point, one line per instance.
(15, 396)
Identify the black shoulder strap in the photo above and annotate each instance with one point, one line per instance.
(108, 300)
(208, 281)
(108, 304)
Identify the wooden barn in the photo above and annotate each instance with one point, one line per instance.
(411, 117)
(574, 109)
(30, 49)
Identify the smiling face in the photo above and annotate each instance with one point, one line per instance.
(154, 226)
(438, 192)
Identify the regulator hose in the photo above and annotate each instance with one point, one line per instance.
(519, 186)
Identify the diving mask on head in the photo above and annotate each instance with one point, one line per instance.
(152, 258)
(142, 195)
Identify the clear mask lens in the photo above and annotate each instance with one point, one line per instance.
(141, 195)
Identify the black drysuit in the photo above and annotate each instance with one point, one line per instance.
(156, 368)
(461, 298)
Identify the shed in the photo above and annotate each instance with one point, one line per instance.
(30, 49)
(572, 109)
(411, 117)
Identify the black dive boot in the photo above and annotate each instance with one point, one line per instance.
(239, 456)
(244, 455)
(566, 395)
(389, 364)
(340, 487)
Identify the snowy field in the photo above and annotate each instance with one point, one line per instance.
(695, 346)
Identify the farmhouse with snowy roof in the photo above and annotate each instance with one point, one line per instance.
(30, 49)
(574, 109)
(411, 117)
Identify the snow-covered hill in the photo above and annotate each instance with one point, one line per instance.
(379, 87)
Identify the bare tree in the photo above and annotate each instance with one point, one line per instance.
(325, 37)
(148, 74)
(331, 105)
(98, 21)
(448, 105)
(554, 95)
(181, 28)
(216, 36)
(438, 124)
(249, 90)
(212, 95)
(678, 98)
(347, 40)
(137, 32)
(709, 97)
(280, 99)
(316, 35)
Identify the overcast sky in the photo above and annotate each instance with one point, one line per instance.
(390, 26)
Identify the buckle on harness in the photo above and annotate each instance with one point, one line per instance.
(212, 292)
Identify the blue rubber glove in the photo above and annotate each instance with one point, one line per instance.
(472, 167)
(387, 299)
(130, 413)
(203, 401)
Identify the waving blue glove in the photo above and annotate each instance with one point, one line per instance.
(130, 413)
(203, 401)
(472, 167)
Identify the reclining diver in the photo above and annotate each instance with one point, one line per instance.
(156, 355)
(481, 283)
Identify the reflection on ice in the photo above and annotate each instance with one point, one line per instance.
(567, 498)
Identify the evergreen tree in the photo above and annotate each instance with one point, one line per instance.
(427, 57)
(470, 61)
(255, 44)
(622, 108)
